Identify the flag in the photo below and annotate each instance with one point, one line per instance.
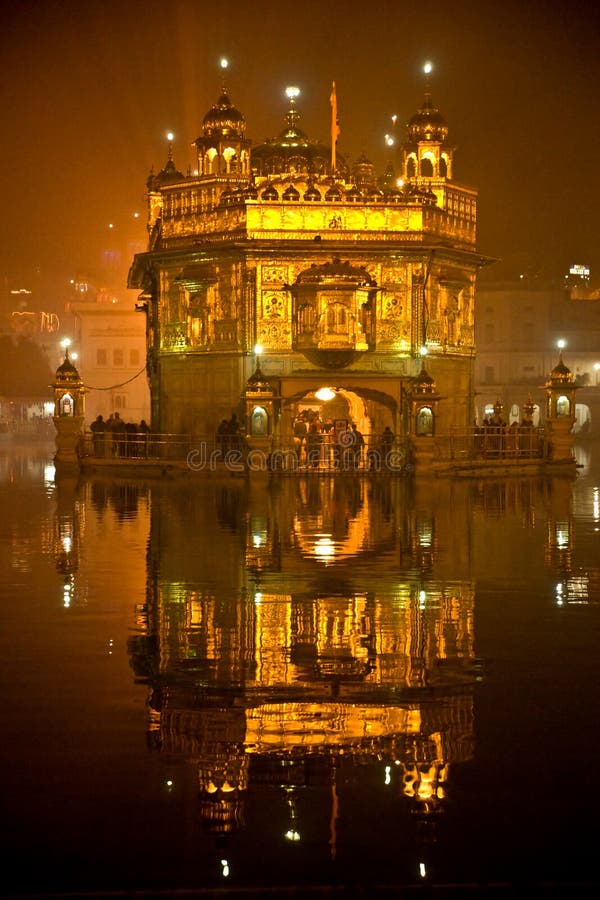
(335, 124)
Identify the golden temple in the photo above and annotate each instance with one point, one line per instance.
(344, 278)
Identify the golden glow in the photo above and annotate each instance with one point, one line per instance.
(561, 343)
(292, 92)
(428, 68)
(223, 62)
(324, 547)
(170, 136)
(325, 394)
(66, 342)
(258, 349)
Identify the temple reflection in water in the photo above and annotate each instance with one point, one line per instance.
(314, 638)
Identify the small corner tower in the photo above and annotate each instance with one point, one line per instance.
(69, 414)
(560, 411)
(427, 155)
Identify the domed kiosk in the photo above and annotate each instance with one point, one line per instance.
(69, 415)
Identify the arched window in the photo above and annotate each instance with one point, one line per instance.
(426, 168)
(259, 422)
(424, 421)
(443, 167)
(66, 405)
(411, 168)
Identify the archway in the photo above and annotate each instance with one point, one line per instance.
(371, 410)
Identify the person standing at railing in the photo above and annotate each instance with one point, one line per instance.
(144, 431)
(98, 429)
(357, 446)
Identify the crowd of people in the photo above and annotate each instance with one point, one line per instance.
(338, 445)
(496, 437)
(115, 437)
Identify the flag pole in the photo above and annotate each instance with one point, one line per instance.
(335, 126)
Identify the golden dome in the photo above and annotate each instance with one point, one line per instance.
(258, 383)
(560, 374)
(67, 373)
(424, 383)
(428, 124)
(169, 175)
(223, 119)
(293, 151)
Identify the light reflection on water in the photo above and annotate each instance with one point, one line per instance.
(300, 681)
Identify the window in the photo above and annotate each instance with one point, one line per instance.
(118, 357)
(425, 420)
(120, 401)
(101, 357)
(134, 357)
(259, 421)
(426, 168)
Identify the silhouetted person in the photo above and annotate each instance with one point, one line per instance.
(98, 429)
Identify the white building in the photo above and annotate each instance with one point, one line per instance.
(111, 348)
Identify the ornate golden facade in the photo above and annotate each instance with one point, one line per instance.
(341, 276)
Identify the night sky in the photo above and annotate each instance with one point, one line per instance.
(89, 90)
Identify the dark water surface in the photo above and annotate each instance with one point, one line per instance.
(306, 682)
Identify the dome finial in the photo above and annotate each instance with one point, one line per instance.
(427, 70)
(293, 116)
(224, 64)
(170, 139)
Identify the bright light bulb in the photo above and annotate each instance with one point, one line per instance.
(223, 62)
(561, 344)
(292, 92)
(428, 68)
(258, 349)
(325, 394)
(170, 136)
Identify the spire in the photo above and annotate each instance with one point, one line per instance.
(293, 116)
(427, 70)
(224, 64)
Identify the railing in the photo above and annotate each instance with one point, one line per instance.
(317, 455)
(135, 445)
(493, 442)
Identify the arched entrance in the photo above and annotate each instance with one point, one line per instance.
(314, 419)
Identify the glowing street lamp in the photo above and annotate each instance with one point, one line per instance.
(561, 343)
